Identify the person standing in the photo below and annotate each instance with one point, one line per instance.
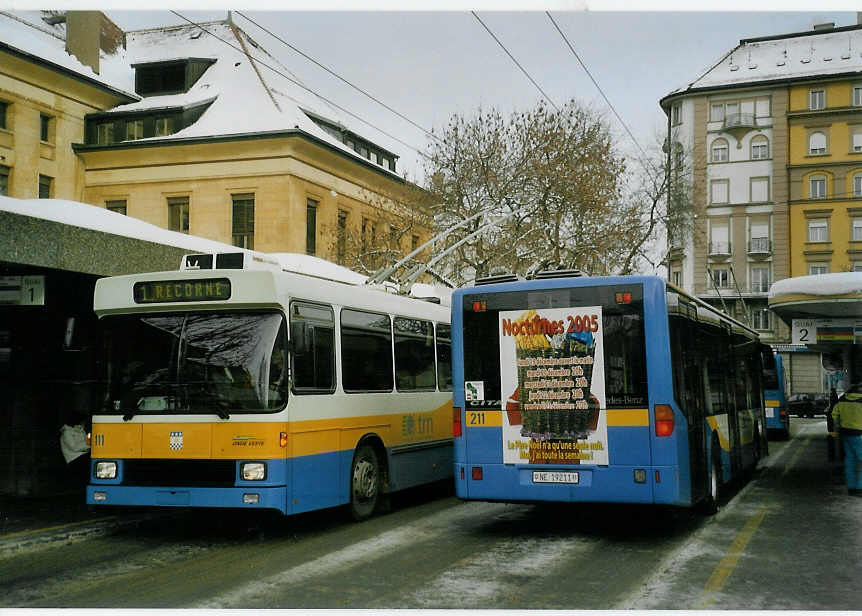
(847, 415)
(830, 440)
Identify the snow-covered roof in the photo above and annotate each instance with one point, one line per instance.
(793, 56)
(26, 32)
(820, 285)
(100, 219)
(247, 97)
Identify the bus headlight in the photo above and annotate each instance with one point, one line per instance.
(252, 471)
(105, 470)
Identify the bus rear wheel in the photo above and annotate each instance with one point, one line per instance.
(710, 503)
(364, 483)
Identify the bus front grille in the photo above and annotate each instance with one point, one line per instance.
(181, 473)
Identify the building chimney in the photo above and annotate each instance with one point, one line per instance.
(88, 33)
(826, 26)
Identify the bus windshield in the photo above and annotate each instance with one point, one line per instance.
(195, 363)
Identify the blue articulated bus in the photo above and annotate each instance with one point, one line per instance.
(601, 389)
(774, 394)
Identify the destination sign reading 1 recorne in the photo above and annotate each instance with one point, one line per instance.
(158, 291)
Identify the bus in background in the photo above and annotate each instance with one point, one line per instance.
(606, 389)
(234, 383)
(774, 394)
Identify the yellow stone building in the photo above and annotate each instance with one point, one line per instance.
(825, 176)
(195, 129)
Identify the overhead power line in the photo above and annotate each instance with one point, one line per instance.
(293, 81)
(337, 76)
(599, 88)
(518, 64)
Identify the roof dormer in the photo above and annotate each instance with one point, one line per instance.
(169, 76)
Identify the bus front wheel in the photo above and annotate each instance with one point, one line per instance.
(364, 483)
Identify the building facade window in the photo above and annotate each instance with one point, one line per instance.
(759, 190)
(815, 269)
(363, 235)
(676, 277)
(716, 112)
(45, 125)
(105, 133)
(45, 186)
(759, 237)
(414, 242)
(857, 185)
(4, 110)
(816, 99)
(721, 278)
(134, 129)
(761, 108)
(116, 205)
(760, 280)
(817, 143)
(242, 225)
(4, 180)
(818, 230)
(857, 96)
(178, 214)
(759, 148)
(676, 114)
(719, 243)
(310, 226)
(856, 141)
(817, 187)
(164, 126)
(761, 319)
(719, 191)
(856, 230)
(719, 151)
(857, 266)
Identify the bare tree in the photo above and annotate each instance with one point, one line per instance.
(541, 188)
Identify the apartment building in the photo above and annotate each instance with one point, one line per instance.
(764, 144)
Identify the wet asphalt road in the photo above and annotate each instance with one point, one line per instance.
(788, 539)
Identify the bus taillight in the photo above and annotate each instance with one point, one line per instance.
(663, 420)
(456, 421)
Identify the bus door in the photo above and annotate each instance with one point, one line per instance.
(688, 369)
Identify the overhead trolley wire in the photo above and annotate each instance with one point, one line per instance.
(337, 76)
(320, 96)
(599, 88)
(518, 64)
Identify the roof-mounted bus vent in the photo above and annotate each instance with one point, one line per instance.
(494, 279)
(221, 260)
(544, 275)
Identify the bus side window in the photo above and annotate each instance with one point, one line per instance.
(414, 354)
(366, 351)
(312, 335)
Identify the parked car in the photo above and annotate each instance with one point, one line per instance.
(821, 403)
(801, 405)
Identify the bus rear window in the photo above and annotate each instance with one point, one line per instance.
(623, 337)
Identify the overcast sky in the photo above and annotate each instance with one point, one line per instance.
(430, 64)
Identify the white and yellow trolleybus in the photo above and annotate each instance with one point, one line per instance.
(234, 383)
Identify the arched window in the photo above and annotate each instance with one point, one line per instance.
(759, 148)
(719, 151)
(817, 143)
(817, 187)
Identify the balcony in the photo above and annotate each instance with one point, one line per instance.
(759, 246)
(738, 124)
(719, 249)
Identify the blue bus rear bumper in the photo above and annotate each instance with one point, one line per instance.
(270, 497)
(506, 482)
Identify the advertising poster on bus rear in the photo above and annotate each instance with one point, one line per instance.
(553, 386)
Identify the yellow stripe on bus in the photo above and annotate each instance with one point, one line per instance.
(235, 440)
(772, 403)
(628, 417)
